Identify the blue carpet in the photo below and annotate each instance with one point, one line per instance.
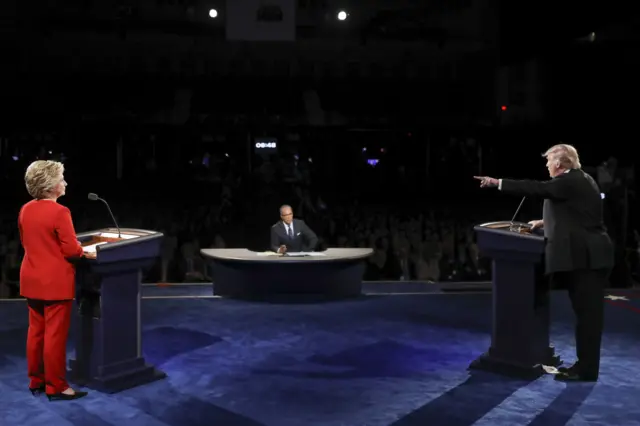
(377, 361)
(368, 287)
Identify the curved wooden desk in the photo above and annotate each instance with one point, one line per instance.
(334, 274)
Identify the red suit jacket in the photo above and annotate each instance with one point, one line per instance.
(48, 238)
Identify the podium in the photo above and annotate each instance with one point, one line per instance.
(520, 330)
(107, 319)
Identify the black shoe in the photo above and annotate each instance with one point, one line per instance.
(67, 397)
(573, 376)
(569, 369)
(37, 391)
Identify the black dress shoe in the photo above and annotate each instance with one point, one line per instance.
(573, 376)
(67, 397)
(569, 369)
(37, 391)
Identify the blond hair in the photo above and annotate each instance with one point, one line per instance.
(565, 154)
(42, 177)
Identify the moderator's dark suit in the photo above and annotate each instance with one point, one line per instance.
(304, 239)
(578, 252)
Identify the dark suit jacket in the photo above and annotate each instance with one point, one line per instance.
(304, 239)
(573, 221)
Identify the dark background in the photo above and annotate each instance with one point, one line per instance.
(149, 104)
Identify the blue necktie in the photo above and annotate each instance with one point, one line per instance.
(289, 232)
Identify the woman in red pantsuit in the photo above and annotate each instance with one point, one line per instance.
(47, 278)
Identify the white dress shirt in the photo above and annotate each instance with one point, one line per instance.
(289, 229)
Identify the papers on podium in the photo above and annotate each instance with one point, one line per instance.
(268, 253)
(115, 235)
(92, 247)
(291, 254)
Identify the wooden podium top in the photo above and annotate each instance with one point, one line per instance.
(517, 227)
(89, 245)
(107, 247)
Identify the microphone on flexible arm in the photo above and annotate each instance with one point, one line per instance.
(94, 197)
(516, 214)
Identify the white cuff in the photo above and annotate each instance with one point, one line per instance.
(499, 184)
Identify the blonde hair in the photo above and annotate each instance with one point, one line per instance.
(565, 154)
(42, 177)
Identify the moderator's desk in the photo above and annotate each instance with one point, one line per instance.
(241, 273)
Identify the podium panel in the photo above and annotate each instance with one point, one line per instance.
(520, 331)
(107, 319)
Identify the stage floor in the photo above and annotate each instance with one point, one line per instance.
(377, 361)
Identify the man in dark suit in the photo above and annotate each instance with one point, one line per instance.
(578, 250)
(291, 235)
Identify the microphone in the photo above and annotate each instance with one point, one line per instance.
(516, 213)
(94, 197)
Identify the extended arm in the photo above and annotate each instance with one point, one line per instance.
(69, 244)
(557, 189)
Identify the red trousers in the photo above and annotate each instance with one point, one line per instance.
(49, 323)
